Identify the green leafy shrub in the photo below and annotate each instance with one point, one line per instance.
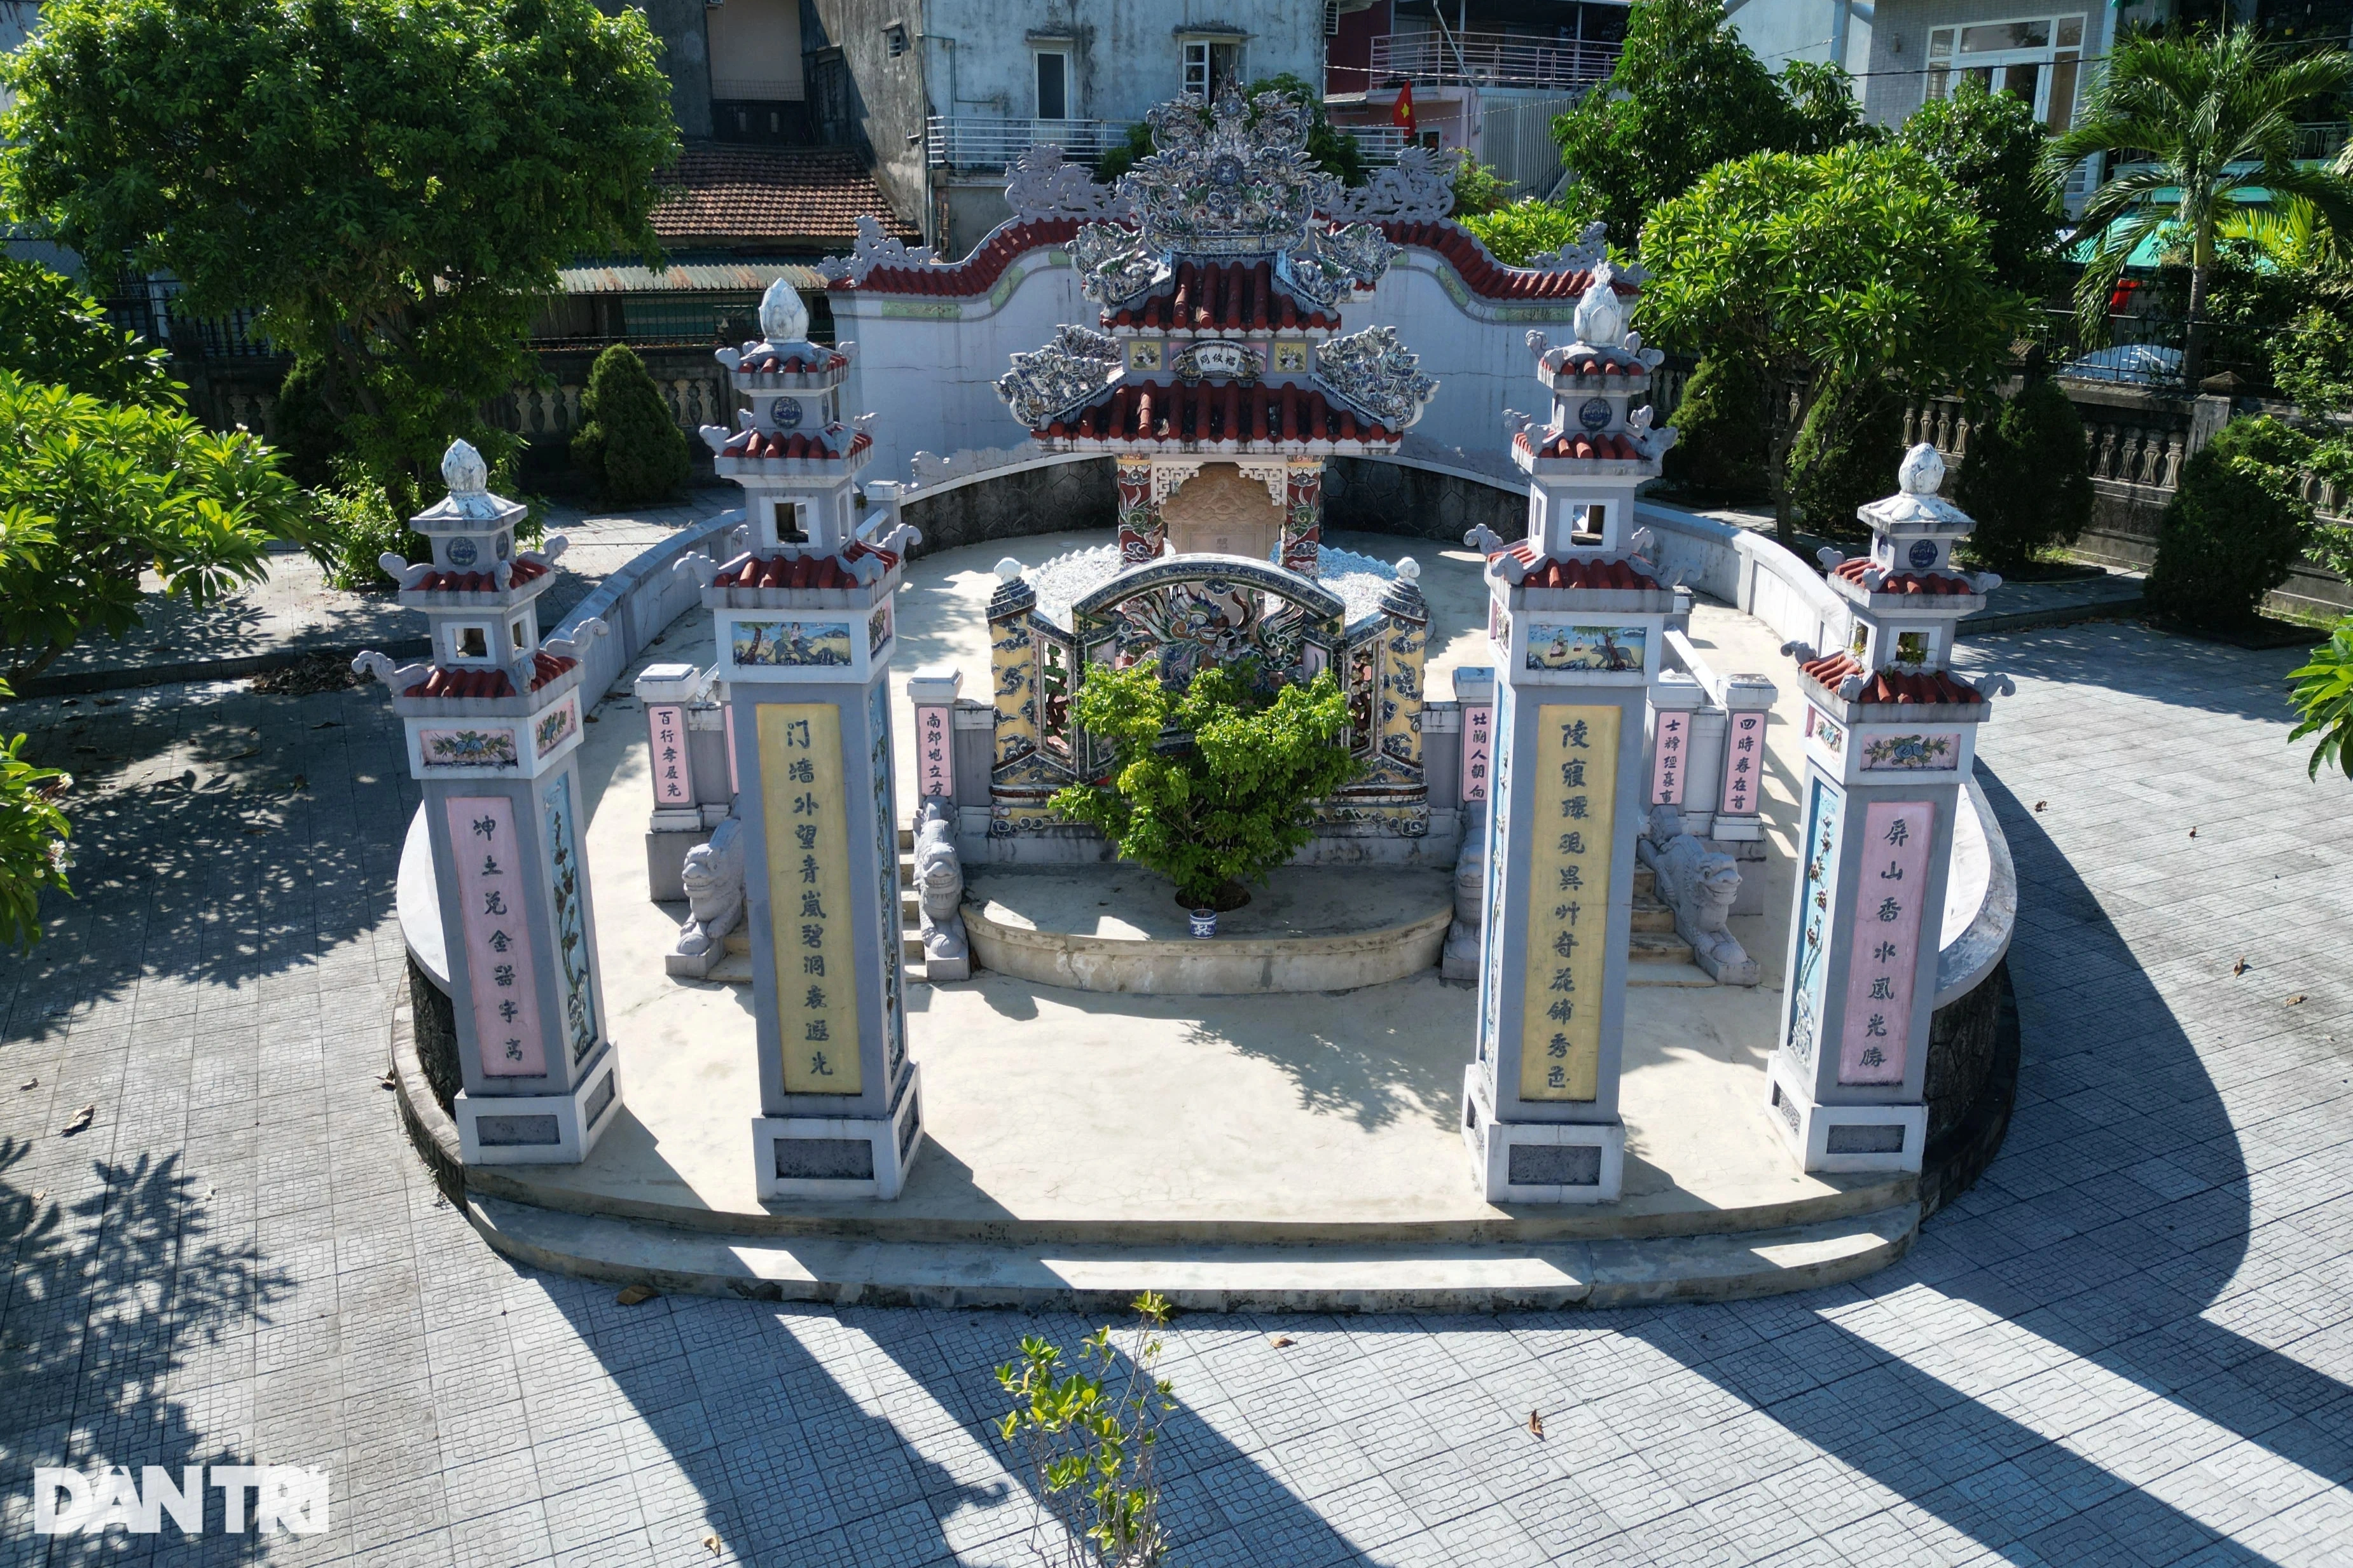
(2235, 527)
(52, 331)
(1477, 187)
(1519, 231)
(1846, 454)
(1091, 1437)
(355, 525)
(1721, 447)
(2027, 479)
(629, 446)
(2322, 696)
(117, 491)
(1211, 785)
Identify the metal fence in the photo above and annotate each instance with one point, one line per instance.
(1488, 59)
(971, 142)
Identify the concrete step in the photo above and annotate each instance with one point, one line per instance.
(1646, 884)
(1405, 1277)
(1657, 947)
(1652, 916)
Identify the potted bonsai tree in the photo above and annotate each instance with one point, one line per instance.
(1210, 783)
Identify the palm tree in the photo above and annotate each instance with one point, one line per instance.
(2206, 118)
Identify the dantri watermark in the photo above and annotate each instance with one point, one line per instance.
(288, 1497)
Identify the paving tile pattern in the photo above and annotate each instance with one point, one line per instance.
(2128, 1345)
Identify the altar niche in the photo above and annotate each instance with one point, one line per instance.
(1220, 511)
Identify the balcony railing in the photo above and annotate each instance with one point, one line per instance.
(971, 142)
(1376, 143)
(1488, 59)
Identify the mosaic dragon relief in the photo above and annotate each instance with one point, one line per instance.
(1188, 627)
(1048, 382)
(1376, 375)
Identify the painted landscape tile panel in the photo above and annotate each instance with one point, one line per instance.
(1556, 646)
(791, 645)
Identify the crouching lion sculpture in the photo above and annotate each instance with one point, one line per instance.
(713, 875)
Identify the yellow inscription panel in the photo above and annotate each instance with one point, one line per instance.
(1570, 813)
(808, 895)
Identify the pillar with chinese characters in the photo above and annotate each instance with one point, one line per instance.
(686, 756)
(492, 722)
(805, 633)
(1889, 735)
(1579, 619)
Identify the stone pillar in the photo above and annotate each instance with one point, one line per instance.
(669, 692)
(1740, 792)
(1675, 701)
(493, 724)
(1570, 772)
(932, 694)
(1889, 737)
(1140, 536)
(1475, 690)
(1303, 514)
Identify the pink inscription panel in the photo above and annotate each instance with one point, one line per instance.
(1672, 735)
(934, 751)
(1884, 958)
(1744, 763)
(491, 904)
(673, 768)
(1478, 749)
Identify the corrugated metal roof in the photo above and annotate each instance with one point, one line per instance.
(694, 277)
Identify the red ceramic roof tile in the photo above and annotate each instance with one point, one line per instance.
(791, 364)
(800, 569)
(1890, 686)
(804, 196)
(752, 444)
(1222, 296)
(1577, 445)
(1173, 412)
(976, 273)
(1486, 277)
(1576, 572)
(1902, 582)
(545, 667)
(476, 582)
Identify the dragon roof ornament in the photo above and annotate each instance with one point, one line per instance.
(1041, 188)
(1077, 366)
(1375, 374)
(873, 248)
(1417, 188)
(1238, 183)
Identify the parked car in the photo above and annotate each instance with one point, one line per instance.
(2140, 364)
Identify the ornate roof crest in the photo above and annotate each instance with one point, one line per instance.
(1079, 363)
(1333, 261)
(1375, 374)
(1414, 189)
(874, 248)
(1113, 264)
(1039, 188)
(1241, 184)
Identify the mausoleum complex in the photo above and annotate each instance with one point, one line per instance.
(1652, 948)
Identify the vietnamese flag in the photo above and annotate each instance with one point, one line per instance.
(1401, 114)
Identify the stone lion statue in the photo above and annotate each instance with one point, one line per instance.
(713, 877)
(1699, 884)
(939, 889)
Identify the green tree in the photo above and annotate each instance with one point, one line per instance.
(1521, 230)
(629, 446)
(1989, 145)
(1334, 150)
(2235, 525)
(1090, 1425)
(2028, 478)
(2323, 694)
(1835, 269)
(1211, 783)
(1477, 187)
(2204, 119)
(52, 331)
(1845, 454)
(96, 494)
(1686, 95)
(1721, 445)
(393, 183)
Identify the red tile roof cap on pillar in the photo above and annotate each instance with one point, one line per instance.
(1902, 582)
(752, 444)
(545, 667)
(1890, 686)
(1581, 446)
(1222, 296)
(477, 582)
(813, 196)
(803, 569)
(1575, 572)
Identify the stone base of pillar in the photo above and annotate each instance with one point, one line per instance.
(1834, 1138)
(839, 1156)
(539, 1129)
(665, 851)
(1540, 1162)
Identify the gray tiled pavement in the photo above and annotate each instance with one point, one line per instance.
(2131, 1343)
